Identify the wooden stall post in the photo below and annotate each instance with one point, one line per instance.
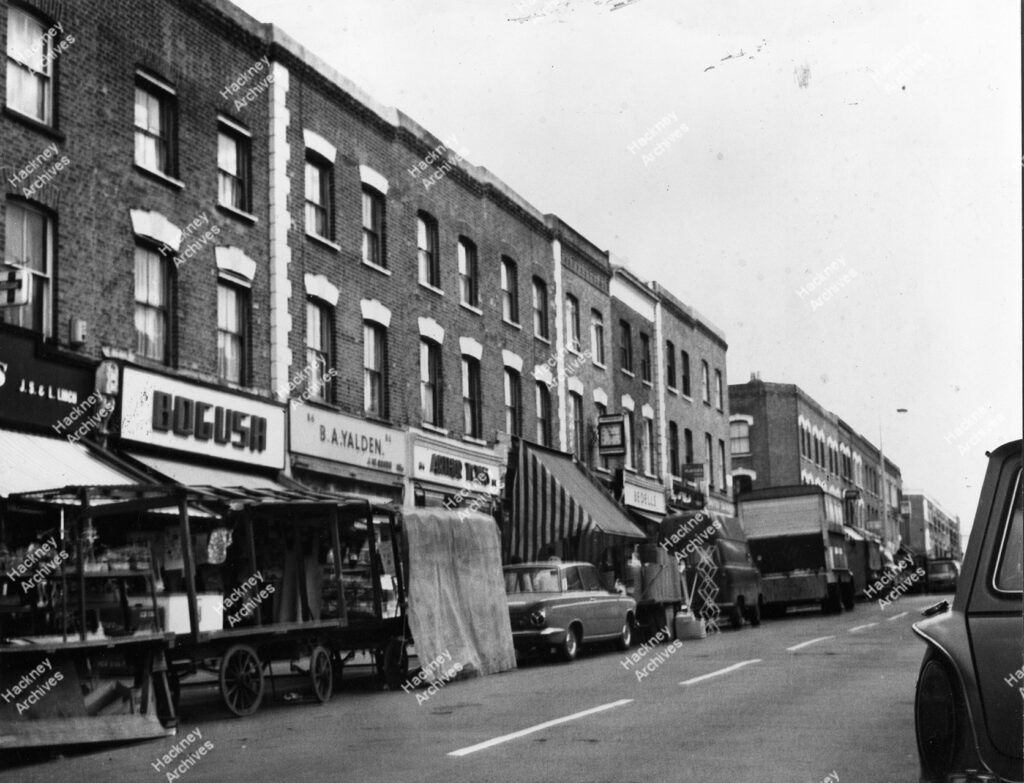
(374, 571)
(336, 543)
(188, 556)
(247, 524)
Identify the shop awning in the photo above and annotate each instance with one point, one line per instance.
(555, 500)
(34, 462)
(190, 474)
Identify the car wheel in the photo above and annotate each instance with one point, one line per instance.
(940, 717)
(570, 645)
(736, 615)
(754, 615)
(626, 637)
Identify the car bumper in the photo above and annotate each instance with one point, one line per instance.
(537, 637)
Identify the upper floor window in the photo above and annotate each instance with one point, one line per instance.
(629, 430)
(509, 290)
(688, 446)
(319, 349)
(705, 382)
(472, 398)
(29, 245)
(645, 357)
(319, 189)
(373, 228)
(602, 410)
(469, 277)
(709, 460)
(719, 397)
(572, 322)
(426, 250)
(513, 403)
(625, 346)
(234, 170)
(597, 336)
(670, 364)
(152, 305)
(673, 448)
(684, 374)
(739, 437)
(431, 386)
(648, 447)
(721, 465)
(540, 308)
(574, 415)
(155, 121)
(29, 66)
(543, 402)
(375, 369)
(232, 332)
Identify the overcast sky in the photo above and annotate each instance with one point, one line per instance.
(879, 140)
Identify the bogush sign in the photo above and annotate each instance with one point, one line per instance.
(161, 411)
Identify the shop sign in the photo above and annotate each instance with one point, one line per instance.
(643, 496)
(161, 411)
(724, 507)
(692, 472)
(685, 497)
(35, 391)
(465, 470)
(340, 438)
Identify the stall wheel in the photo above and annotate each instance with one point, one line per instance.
(321, 673)
(241, 680)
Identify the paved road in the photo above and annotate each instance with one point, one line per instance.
(796, 700)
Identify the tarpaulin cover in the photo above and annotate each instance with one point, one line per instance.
(457, 604)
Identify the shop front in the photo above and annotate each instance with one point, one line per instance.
(334, 452)
(645, 499)
(453, 475)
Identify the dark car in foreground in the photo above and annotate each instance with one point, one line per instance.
(942, 575)
(560, 606)
(968, 714)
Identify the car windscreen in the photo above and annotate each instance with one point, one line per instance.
(1010, 571)
(941, 569)
(733, 552)
(532, 580)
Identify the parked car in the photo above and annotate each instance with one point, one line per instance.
(560, 606)
(968, 703)
(942, 575)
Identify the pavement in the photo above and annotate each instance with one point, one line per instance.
(808, 698)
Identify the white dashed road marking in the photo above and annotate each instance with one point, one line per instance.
(862, 627)
(726, 670)
(539, 727)
(896, 617)
(796, 647)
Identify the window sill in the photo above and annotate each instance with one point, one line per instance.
(706, 403)
(629, 469)
(238, 214)
(377, 268)
(600, 364)
(648, 384)
(686, 396)
(672, 389)
(160, 177)
(324, 241)
(513, 324)
(471, 439)
(432, 288)
(652, 476)
(628, 373)
(34, 124)
(433, 428)
(471, 308)
(573, 351)
(599, 469)
(544, 340)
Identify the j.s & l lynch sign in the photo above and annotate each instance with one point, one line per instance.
(162, 411)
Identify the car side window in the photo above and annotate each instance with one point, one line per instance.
(572, 579)
(588, 575)
(1010, 570)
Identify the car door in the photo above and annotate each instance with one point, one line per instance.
(994, 610)
(603, 606)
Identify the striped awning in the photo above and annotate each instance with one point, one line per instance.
(556, 502)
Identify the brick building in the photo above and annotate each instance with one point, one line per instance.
(783, 437)
(928, 529)
(276, 278)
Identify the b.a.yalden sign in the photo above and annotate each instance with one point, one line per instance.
(340, 438)
(161, 411)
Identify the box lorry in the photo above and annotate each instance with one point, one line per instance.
(797, 539)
